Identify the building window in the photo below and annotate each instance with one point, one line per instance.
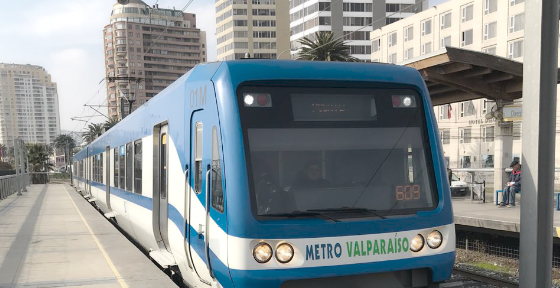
(515, 2)
(516, 22)
(445, 112)
(446, 41)
(515, 49)
(517, 130)
(445, 20)
(465, 161)
(487, 161)
(376, 45)
(490, 6)
(490, 30)
(426, 48)
(392, 58)
(466, 37)
(408, 33)
(465, 135)
(485, 104)
(489, 50)
(408, 53)
(488, 134)
(467, 13)
(392, 39)
(445, 135)
(426, 27)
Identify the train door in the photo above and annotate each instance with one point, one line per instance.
(108, 177)
(160, 201)
(198, 212)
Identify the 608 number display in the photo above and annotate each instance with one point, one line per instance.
(409, 192)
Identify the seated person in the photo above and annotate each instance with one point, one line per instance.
(311, 177)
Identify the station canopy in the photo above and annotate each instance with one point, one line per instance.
(455, 75)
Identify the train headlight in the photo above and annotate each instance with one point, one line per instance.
(417, 243)
(434, 239)
(262, 252)
(284, 253)
(407, 101)
(249, 100)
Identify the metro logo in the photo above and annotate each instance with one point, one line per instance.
(382, 246)
(357, 248)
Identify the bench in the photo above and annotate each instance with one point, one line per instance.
(556, 197)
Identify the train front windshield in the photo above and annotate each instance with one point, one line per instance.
(340, 153)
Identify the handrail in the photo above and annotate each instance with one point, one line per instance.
(10, 184)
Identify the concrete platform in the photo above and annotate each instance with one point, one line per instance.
(488, 215)
(52, 237)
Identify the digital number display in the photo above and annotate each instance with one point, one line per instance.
(333, 107)
(408, 192)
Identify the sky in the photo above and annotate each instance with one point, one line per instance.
(65, 37)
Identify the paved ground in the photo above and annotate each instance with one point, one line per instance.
(52, 237)
(488, 215)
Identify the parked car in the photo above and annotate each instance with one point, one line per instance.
(458, 187)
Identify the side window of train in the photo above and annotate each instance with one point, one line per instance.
(217, 188)
(138, 166)
(116, 167)
(198, 159)
(121, 167)
(129, 167)
(101, 168)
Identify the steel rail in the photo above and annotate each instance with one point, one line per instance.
(485, 279)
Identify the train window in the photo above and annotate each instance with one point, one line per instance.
(96, 168)
(101, 168)
(198, 159)
(217, 188)
(116, 167)
(138, 167)
(163, 168)
(121, 167)
(325, 158)
(129, 167)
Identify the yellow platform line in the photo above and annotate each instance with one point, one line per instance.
(105, 255)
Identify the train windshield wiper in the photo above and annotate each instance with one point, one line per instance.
(302, 214)
(350, 210)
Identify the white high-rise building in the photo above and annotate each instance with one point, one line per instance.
(491, 26)
(257, 27)
(343, 17)
(28, 105)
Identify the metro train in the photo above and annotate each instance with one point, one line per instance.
(273, 173)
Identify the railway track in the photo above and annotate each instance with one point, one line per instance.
(485, 279)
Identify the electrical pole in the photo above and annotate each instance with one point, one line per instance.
(22, 164)
(540, 69)
(16, 164)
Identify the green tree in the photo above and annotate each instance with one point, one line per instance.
(38, 156)
(94, 130)
(62, 142)
(322, 46)
(110, 123)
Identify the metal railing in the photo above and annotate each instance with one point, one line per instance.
(12, 183)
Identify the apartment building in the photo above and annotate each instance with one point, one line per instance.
(146, 49)
(29, 106)
(260, 28)
(351, 20)
(490, 26)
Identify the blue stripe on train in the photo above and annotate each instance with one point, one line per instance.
(441, 264)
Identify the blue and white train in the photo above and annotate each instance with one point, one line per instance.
(269, 173)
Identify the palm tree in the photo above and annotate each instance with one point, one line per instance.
(66, 143)
(110, 123)
(94, 130)
(38, 156)
(322, 46)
